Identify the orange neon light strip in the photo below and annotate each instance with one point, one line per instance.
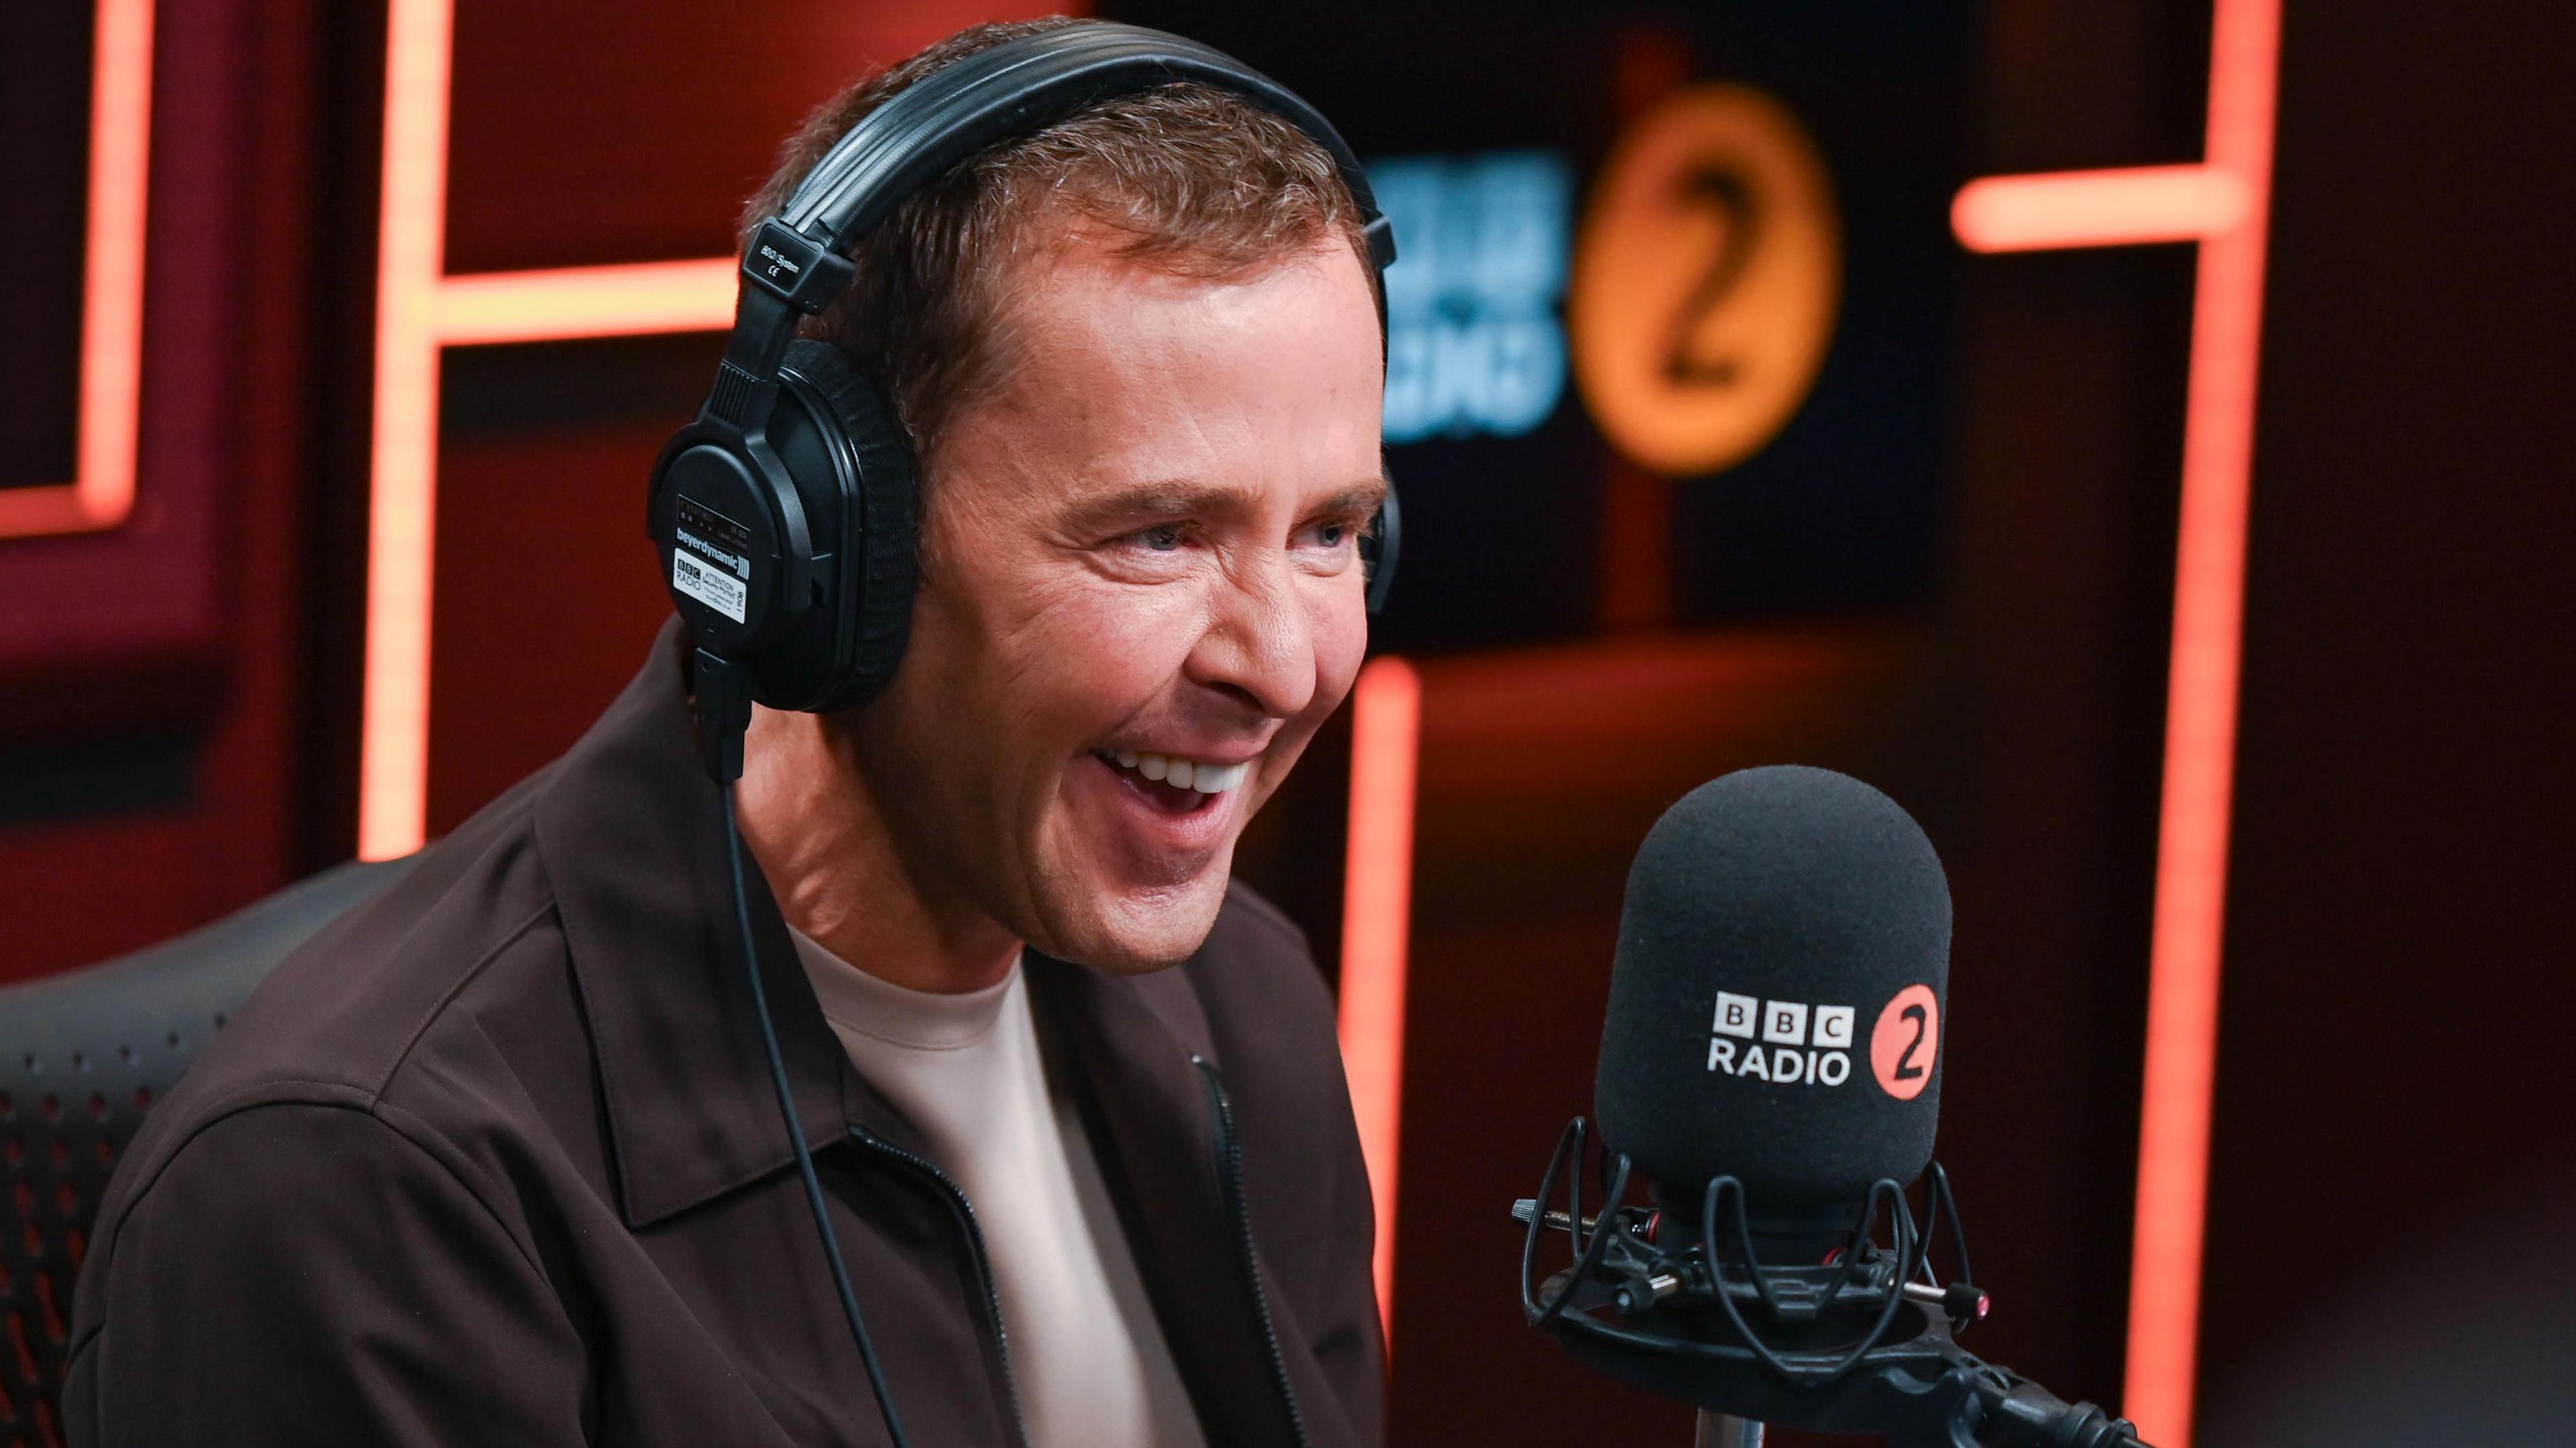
(2098, 208)
(434, 312)
(2200, 738)
(1377, 901)
(2222, 203)
(101, 492)
(597, 301)
(393, 767)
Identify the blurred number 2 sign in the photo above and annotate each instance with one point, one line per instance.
(1705, 280)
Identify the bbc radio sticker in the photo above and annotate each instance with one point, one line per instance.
(699, 580)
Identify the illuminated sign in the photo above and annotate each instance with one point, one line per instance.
(1474, 344)
(1706, 281)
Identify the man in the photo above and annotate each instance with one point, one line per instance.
(497, 1161)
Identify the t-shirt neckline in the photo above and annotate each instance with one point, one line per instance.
(919, 1020)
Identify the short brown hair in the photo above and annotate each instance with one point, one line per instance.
(1184, 177)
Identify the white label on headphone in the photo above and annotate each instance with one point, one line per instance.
(719, 591)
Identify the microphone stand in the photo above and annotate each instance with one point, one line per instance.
(1720, 1430)
(1907, 1379)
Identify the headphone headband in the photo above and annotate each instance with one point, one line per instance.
(1021, 86)
(1015, 88)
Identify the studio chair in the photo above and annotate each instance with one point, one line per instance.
(82, 1056)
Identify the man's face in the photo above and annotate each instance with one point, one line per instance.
(1139, 559)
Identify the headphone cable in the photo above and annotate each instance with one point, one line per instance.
(796, 1134)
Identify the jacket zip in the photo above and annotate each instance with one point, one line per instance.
(983, 1265)
(1229, 1160)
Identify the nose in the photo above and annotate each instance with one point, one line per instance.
(1259, 644)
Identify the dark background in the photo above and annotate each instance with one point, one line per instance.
(1950, 574)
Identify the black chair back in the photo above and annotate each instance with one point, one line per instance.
(83, 1056)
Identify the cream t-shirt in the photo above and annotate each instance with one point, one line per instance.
(1086, 1351)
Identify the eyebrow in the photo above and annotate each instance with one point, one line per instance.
(1360, 500)
(1175, 496)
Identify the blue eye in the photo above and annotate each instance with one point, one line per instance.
(1332, 534)
(1163, 538)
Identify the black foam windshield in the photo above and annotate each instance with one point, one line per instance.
(1778, 1000)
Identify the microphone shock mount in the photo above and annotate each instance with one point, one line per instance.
(1862, 1341)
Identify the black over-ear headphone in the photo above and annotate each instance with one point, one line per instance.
(785, 512)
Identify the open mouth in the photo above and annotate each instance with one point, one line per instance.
(1172, 784)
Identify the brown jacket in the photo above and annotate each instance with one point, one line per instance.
(497, 1161)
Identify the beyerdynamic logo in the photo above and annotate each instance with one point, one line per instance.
(1792, 1043)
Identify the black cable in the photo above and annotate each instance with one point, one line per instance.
(796, 1135)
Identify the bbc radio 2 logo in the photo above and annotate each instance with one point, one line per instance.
(1788, 1052)
(1791, 1043)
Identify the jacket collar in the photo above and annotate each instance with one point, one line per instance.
(632, 833)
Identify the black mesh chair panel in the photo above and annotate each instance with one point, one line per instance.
(82, 1056)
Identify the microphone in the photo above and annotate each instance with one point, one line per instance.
(1770, 1072)
(1777, 998)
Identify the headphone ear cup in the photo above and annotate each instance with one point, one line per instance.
(858, 453)
(1379, 547)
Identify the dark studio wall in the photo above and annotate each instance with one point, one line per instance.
(2393, 1155)
(174, 732)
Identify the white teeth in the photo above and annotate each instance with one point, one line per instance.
(1182, 773)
